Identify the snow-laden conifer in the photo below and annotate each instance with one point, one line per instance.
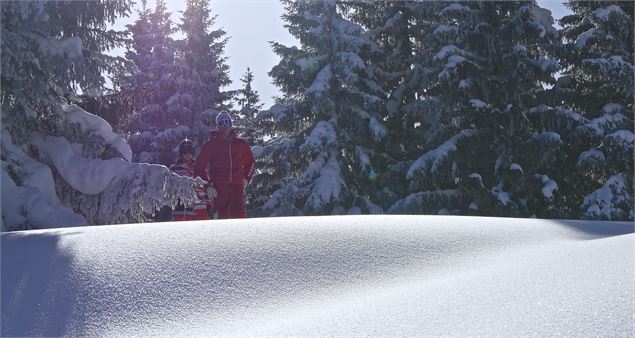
(595, 117)
(323, 152)
(484, 73)
(62, 166)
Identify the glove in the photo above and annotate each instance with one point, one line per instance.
(211, 192)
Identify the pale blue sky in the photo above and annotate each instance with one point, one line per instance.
(251, 24)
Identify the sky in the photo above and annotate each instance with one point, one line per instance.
(374, 275)
(251, 24)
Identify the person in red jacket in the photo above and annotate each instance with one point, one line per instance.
(227, 163)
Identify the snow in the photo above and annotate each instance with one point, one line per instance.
(549, 186)
(612, 108)
(322, 276)
(258, 151)
(352, 61)
(592, 153)
(623, 136)
(519, 48)
(277, 112)
(548, 137)
(503, 197)
(466, 83)
(378, 130)
(445, 29)
(445, 52)
(29, 205)
(604, 14)
(582, 39)
(454, 8)
(98, 126)
(321, 82)
(434, 158)
(394, 21)
(450, 66)
(475, 176)
(362, 157)
(605, 202)
(611, 65)
(516, 167)
(605, 123)
(328, 186)
(308, 64)
(543, 19)
(34, 173)
(546, 65)
(69, 47)
(478, 104)
(322, 134)
(571, 115)
(30, 198)
(88, 176)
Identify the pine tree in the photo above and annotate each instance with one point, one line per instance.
(254, 130)
(181, 80)
(248, 99)
(484, 67)
(61, 165)
(164, 115)
(595, 99)
(398, 28)
(249, 104)
(203, 57)
(324, 133)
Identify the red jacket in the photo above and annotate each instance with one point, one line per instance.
(225, 160)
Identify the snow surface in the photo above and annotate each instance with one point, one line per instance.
(322, 276)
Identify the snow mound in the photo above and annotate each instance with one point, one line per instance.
(322, 276)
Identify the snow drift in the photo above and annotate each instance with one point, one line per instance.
(322, 276)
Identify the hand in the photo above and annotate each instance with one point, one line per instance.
(211, 192)
(245, 182)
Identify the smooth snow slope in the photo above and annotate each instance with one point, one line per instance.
(318, 276)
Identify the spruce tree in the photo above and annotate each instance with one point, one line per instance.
(166, 90)
(61, 165)
(182, 80)
(594, 109)
(248, 99)
(255, 130)
(329, 120)
(248, 104)
(398, 29)
(485, 68)
(203, 57)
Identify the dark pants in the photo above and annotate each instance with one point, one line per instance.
(230, 202)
